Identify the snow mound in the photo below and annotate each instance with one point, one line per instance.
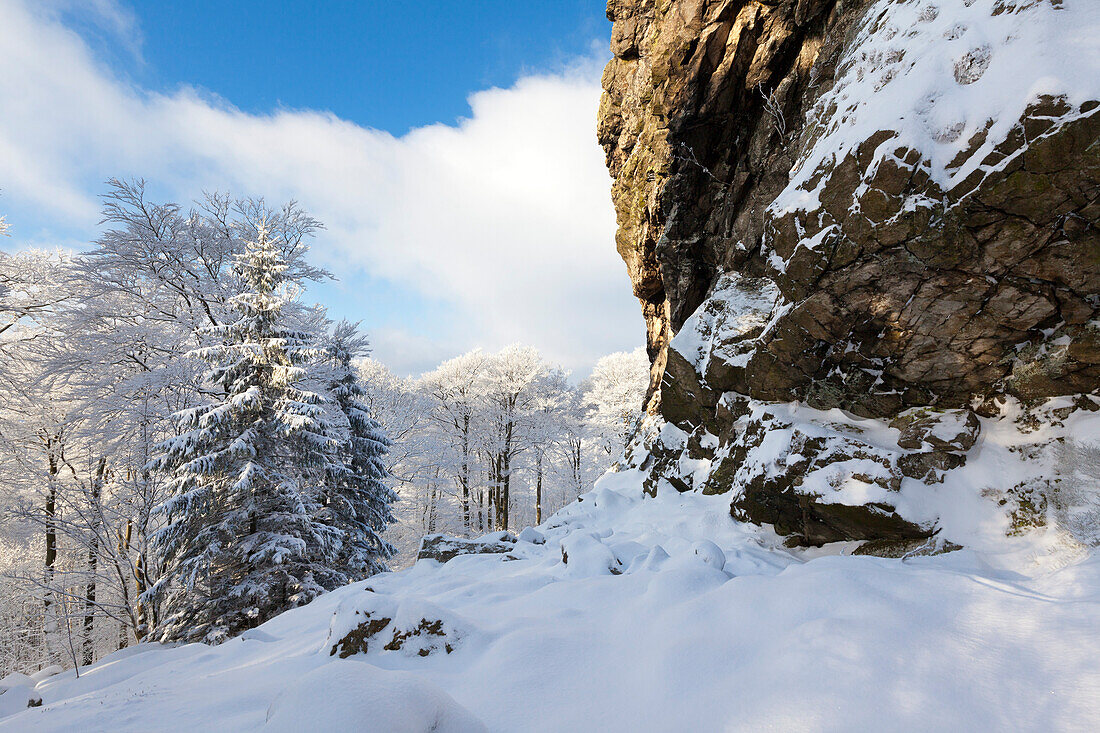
(585, 555)
(708, 625)
(356, 697)
(16, 698)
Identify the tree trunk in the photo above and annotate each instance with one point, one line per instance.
(506, 484)
(50, 564)
(432, 500)
(481, 510)
(466, 472)
(538, 487)
(146, 621)
(137, 568)
(575, 467)
(498, 494)
(93, 561)
(495, 492)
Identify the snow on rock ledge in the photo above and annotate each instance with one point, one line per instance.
(374, 623)
(951, 81)
(822, 476)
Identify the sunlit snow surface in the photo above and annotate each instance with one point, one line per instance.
(742, 636)
(936, 72)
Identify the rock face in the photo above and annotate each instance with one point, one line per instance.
(883, 207)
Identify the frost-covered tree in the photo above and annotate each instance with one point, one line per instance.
(548, 423)
(36, 438)
(97, 353)
(494, 440)
(244, 538)
(356, 498)
(614, 395)
(511, 384)
(152, 281)
(455, 391)
(416, 459)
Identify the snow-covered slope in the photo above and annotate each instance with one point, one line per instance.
(668, 616)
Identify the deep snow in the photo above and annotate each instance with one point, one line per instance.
(668, 616)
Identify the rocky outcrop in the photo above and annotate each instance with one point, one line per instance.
(377, 623)
(883, 206)
(441, 547)
(687, 124)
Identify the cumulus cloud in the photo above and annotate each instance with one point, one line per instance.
(504, 218)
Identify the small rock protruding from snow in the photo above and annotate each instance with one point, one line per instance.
(950, 430)
(441, 548)
(376, 623)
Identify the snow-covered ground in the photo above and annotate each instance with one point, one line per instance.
(668, 616)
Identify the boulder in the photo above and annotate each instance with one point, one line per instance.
(817, 483)
(377, 623)
(901, 549)
(441, 548)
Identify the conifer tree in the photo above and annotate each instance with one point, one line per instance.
(244, 538)
(357, 497)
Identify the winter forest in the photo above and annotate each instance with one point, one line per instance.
(609, 366)
(189, 447)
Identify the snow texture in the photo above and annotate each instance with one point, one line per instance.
(668, 616)
(736, 308)
(937, 74)
(337, 697)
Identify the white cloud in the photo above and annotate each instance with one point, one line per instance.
(410, 354)
(505, 216)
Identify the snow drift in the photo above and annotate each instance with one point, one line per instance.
(637, 613)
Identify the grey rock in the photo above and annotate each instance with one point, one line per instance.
(929, 466)
(953, 430)
(442, 547)
(900, 549)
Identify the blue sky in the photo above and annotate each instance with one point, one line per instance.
(449, 147)
(389, 65)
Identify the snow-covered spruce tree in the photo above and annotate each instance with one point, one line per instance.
(356, 498)
(244, 538)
